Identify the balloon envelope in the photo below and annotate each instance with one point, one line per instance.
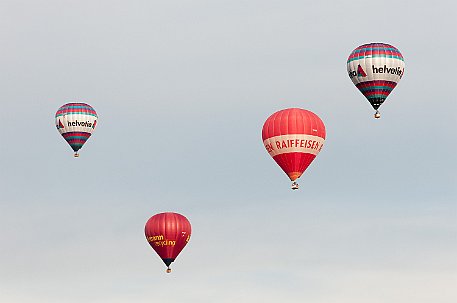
(375, 69)
(293, 137)
(168, 233)
(76, 123)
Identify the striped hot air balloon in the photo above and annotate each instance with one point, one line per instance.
(376, 69)
(168, 233)
(76, 122)
(293, 137)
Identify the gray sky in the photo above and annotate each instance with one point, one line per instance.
(182, 89)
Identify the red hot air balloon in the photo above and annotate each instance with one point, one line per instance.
(168, 233)
(293, 137)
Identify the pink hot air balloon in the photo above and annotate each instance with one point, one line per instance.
(293, 137)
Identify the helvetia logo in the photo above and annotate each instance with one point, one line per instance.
(60, 125)
(359, 73)
(83, 124)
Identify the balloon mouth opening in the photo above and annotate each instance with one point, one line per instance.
(294, 175)
(168, 262)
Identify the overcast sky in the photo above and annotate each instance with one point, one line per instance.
(182, 89)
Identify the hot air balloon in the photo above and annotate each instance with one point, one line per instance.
(168, 233)
(375, 69)
(293, 137)
(76, 122)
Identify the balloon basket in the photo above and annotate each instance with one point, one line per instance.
(294, 185)
(76, 155)
(168, 270)
(377, 115)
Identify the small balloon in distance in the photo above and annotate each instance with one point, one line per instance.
(375, 69)
(76, 122)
